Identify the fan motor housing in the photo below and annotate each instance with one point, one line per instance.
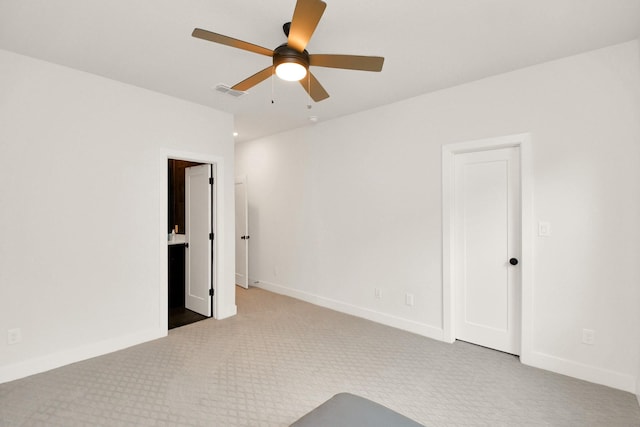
(284, 53)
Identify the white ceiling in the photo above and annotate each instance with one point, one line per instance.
(428, 45)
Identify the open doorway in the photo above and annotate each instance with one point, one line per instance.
(191, 213)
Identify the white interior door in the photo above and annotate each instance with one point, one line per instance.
(486, 244)
(242, 234)
(199, 236)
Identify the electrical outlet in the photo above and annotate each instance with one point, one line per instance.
(14, 336)
(408, 299)
(544, 229)
(378, 293)
(588, 336)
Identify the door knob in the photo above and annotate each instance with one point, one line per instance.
(513, 261)
(243, 237)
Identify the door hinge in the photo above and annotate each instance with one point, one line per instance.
(211, 236)
(186, 245)
(210, 292)
(211, 181)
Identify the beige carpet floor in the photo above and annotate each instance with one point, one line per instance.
(279, 358)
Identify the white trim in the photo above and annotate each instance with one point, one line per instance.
(581, 371)
(218, 311)
(51, 361)
(526, 197)
(523, 141)
(354, 310)
(637, 390)
(226, 311)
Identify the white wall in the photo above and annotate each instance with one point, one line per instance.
(82, 175)
(352, 204)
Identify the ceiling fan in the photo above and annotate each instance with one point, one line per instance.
(291, 60)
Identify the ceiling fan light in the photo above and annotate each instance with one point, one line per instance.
(291, 71)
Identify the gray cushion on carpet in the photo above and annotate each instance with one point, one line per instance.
(349, 410)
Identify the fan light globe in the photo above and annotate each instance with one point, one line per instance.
(291, 71)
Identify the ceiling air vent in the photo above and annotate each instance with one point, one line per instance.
(222, 88)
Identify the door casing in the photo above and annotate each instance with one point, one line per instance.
(449, 151)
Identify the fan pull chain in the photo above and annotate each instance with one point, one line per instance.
(272, 89)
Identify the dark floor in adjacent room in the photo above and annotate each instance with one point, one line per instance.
(180, 316)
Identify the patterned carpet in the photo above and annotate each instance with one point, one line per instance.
(279, 358)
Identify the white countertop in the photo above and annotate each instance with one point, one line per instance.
(177, 239)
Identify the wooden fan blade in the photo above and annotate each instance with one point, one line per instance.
(230, 41)
(348, 62)
(258, 77)
(305, 19)
(317, 92)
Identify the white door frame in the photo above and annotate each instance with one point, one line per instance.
(523, 141)
(218, 242)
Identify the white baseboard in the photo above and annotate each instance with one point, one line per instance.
(365, 313)
(536, 359)
(45, 363)
(223, 314)
(581, 371)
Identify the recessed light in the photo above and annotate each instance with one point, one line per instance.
(235, 134)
